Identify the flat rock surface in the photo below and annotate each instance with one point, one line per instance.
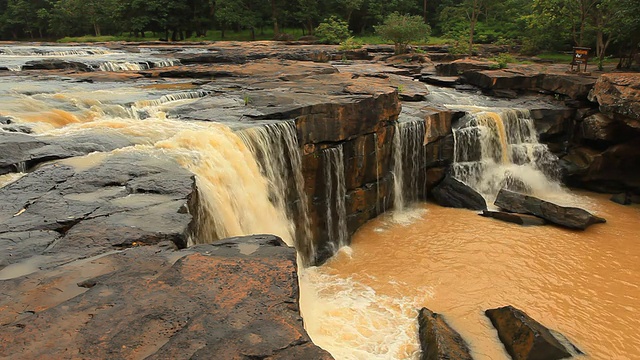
(236, 299)
(59, 213)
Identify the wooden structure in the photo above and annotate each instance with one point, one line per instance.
(580, 57)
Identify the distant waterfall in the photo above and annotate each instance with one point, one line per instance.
(136, 66)
(185, 95)
(335, 195)
(275, 147)
(409, 158)
(501, 150)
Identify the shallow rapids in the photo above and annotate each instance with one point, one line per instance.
(362, 304)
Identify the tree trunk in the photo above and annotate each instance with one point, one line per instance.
(424, 11)
(274, 16)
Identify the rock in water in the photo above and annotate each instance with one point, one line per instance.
(524, 338)
(438, 340)
(571, 217)
(454, 193)
(520, 219)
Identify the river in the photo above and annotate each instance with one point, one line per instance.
(585, 284)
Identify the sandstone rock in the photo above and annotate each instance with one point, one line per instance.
(520, 219)
(524, 338)
(56, 64)
(573, 86)
(236, 299)
(24, 151)
(618, 95)
(601, 128)
(613, 170)
(571, 217)
(63, 214)
(454, 193)
(448, 81)
(458, 67)
(512, 79)
(438, 340)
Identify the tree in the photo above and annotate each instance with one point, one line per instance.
(402, 30)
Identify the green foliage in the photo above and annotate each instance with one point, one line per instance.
(503, 59)
(332, 31)
(350, 44)
(402, 30)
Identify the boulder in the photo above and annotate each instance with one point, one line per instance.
(618, 95)
(438, 340)
(616, 169)
(571, 217)
(447, 81)
(454, 193)
(235, 299)
(526, 339)
(520, 219)
(602, 129)
(571, 85)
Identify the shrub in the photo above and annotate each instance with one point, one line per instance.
(332, 31)
(350, 44)
(503, 59)
(402, 30)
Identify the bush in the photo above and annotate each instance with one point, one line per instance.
(503, 59)
(350, 44)
(402, 30)
(332, 31)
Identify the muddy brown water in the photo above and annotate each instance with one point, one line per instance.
(584, 284)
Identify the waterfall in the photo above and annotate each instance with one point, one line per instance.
(276, 148)
(233, 195)
(136, 66)
(335, 195)
(498, 150)
(409, 158)
(185, 95)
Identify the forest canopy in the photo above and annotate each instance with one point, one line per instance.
(608, 26)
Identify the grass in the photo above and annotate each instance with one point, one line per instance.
(565, 58)
(243, 35)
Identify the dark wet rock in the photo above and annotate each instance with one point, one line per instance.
(458, 67)
(552, 121)
(571, 85)
(504, 79)
(65, 214)
(504, 93)
(447, 81)
(22, 152)
(520, 219)
(618, 95)
(56, 64)
(526, 339)
(438, 340)
(622, 198)
(613, 170)
(601, 129)
(571, 217)
(454, 193)
(236, 299)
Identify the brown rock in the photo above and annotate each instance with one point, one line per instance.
(618, 95)
(458, 67)
(236, 299)
(438, 340)
(520, 219)
(571, 217)
(524, 338)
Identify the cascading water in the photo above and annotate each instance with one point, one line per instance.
(501, 150)
(275, 146)
(335, 195)
(409, 157)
